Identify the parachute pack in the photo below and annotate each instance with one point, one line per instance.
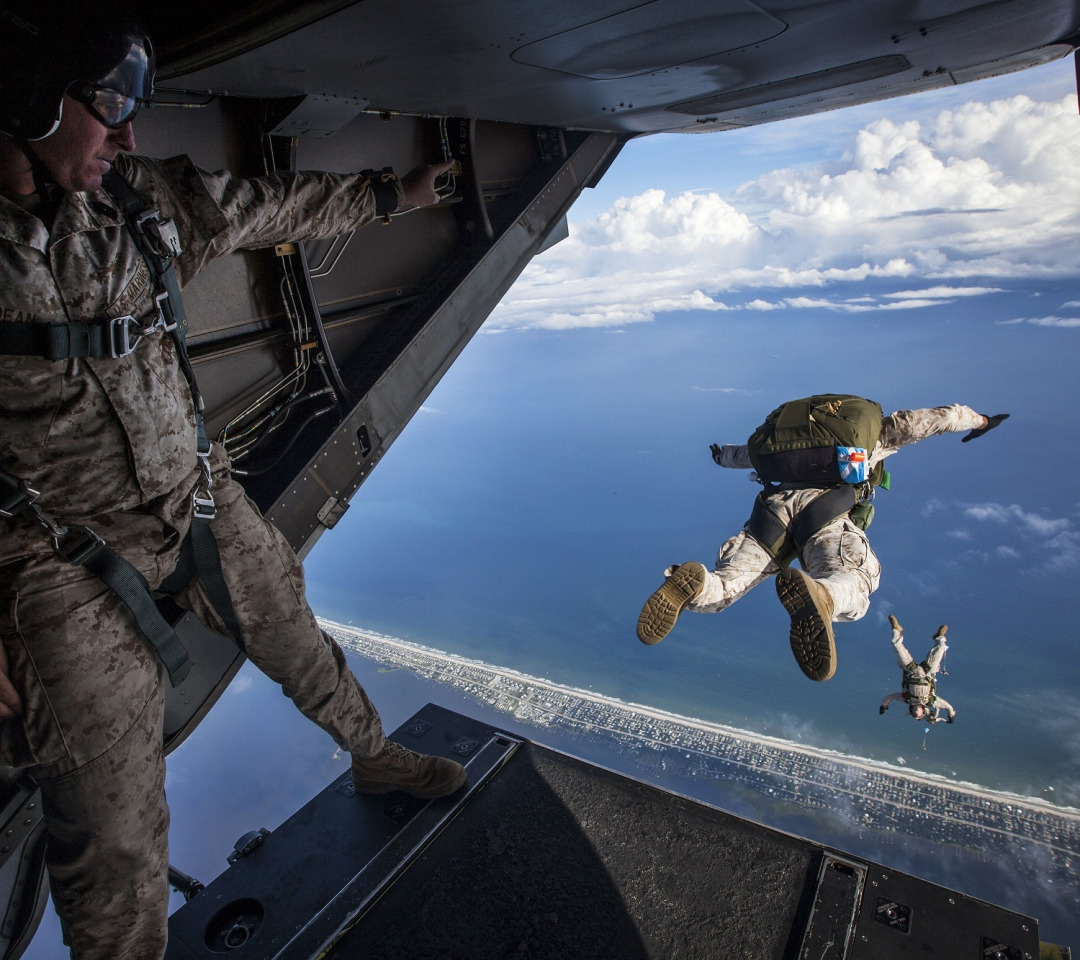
(825, 439)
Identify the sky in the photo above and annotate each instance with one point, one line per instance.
(919, 251)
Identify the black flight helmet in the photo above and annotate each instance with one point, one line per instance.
(103, 61)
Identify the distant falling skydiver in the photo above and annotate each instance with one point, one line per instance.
(920, 679)
(819, 460)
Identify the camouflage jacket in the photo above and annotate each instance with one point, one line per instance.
(96, 436)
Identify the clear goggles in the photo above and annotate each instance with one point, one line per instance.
(116, 97)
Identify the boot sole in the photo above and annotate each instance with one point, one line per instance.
(377, 787)
(811, 630)
(662, 609)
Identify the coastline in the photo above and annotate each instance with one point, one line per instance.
(865, 764)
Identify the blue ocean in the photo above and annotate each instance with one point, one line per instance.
(532, 505)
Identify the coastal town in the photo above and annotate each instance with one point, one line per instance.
(867, 794)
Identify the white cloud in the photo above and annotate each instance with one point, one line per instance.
(942, 293)
(1043, 544)
(1030, 522)
(1046, 321)
(983, 192)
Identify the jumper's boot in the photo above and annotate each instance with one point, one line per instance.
(681, 585)
(397, 768)
(941, 631)
(810, 608)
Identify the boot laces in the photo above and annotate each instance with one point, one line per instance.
(396, 752)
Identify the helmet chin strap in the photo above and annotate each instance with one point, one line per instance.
(46, 187)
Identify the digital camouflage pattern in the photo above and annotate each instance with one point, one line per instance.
(83, 431)
(111, 443)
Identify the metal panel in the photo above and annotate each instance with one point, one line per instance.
(340, 467)
(296, 889)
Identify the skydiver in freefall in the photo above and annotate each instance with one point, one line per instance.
(920, 679)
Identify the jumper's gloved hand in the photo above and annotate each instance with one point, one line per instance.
(882, 709)
(714, 449)
(991, 422)
(951, 719)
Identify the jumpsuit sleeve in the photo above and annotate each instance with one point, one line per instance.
(944, 705)
(735, 456)
(904, 427)
(217, 213)
(892, 698)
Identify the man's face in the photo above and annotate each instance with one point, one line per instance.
(918, 711)
(82, 149)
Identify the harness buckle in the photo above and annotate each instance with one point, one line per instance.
(162, 234)
(121, 341)
(205, 508)
(78, 544)
(163, 313)
(16, 497)
(126, 332)
(201, 498)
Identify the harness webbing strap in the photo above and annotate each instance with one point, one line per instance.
(208, 563)
(770, 531)
(131, 587)
(199, 556)
(55, 341)
(783, 542)
(111, 338)
(821, 511)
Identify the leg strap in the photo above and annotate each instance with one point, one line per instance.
(199, 556)
(133, 590)
(783, 542)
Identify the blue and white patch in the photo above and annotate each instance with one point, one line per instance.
(853, 463)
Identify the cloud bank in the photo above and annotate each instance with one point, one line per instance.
(982, 195)
(1043, 545)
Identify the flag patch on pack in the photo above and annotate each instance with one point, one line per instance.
(853, 463)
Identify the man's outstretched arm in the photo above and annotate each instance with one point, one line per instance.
(910, 426)
(733, 455)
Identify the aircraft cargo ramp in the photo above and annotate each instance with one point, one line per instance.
(545, 856)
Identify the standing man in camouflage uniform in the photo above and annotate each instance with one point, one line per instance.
(840, 571)
(920, 679)
(110, 442)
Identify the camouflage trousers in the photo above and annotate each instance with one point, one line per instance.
(838, 557)
(91, 732)
(919, 673)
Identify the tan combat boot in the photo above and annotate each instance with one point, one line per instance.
(397, 768)
(662, 609)
(810, 608)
